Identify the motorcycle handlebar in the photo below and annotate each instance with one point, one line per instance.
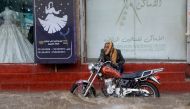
(102, 61)
(107, 62)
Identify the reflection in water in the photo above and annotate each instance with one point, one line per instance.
(65, 100)
(188, 104)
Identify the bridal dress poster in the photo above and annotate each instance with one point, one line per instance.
(54, 31)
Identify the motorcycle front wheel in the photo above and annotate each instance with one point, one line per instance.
(79, 90)
(151, 88)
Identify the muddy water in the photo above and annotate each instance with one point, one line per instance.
(65, 100)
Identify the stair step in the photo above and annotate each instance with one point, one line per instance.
(169, 76)
(168, 67)
(70, 77)
(36, 68)
(183, 86)
(34, 77)
(170, 81)
(36, 87)
(172, 76)
(164, 87)
(16, 68)
(41, 77)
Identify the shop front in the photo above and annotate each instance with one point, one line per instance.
(142, 29)
(47, 44)
(37, 38)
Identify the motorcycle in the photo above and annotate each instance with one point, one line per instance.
(141, 83)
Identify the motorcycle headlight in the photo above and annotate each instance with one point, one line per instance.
(90, 66)
(100, 74)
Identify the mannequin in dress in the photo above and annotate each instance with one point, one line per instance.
(14, 47)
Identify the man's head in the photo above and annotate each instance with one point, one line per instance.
(108, 47)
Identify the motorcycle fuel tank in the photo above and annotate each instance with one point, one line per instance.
(110, 72)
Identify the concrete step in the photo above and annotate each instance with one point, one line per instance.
(40, 77)
(172, 76)
(44, 86)
(168, 67)
(32, 77)
(177, 86)
(35, 68)
(40, 68)
(70, 77)
(170, 81)
(47, 86)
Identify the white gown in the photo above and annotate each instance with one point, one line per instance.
(14, 47)
(53, 23)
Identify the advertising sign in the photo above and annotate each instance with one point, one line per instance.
(141, 29)
(54, 31)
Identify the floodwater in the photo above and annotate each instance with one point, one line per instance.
(65, 100)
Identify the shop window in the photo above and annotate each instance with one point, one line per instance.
(142, 29)
(16, 31)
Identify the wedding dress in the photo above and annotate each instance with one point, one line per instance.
(53, 23)
(14, 47)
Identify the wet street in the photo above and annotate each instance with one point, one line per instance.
(65, 100)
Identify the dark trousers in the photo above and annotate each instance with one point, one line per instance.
(120, 68)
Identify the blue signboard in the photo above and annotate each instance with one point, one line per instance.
(54, 31)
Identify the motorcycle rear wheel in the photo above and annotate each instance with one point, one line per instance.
(151, 88)
(79, 90)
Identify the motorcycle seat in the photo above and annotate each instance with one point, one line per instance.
(132, 75)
